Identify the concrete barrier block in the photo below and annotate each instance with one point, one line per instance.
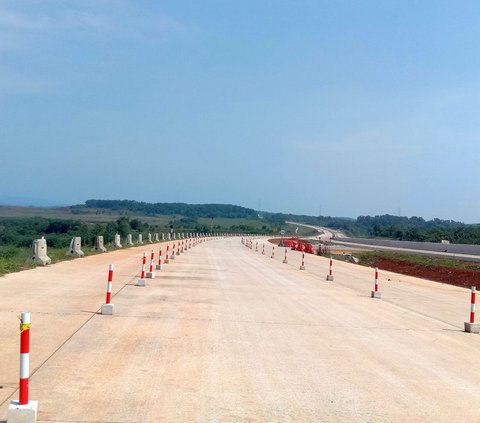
(26, 413)
(39, 253)
(98, 245)
(128, 241)
(330, 278)
(376, 294)
(149, 237)
(156, 237)
(141, 282)
(75, 249)
(151, 275)
(140, 239)
(158, 267)
(117, 242)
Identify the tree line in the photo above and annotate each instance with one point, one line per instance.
(192, 211)
(392, 227)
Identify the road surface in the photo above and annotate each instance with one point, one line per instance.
(226, 334)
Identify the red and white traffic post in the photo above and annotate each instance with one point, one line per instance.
(330, 272)
(107, 308)
(167, 255)
(263, 251)
(173, 252)
(159, 265)
(302, 266)
(273, 252)
(471, 326)
(256, 246)
(285, 259)
(24, 357)
(151, 273)
(142, 281)
(23, 410)
(376, 293)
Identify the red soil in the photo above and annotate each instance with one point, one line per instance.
(450, 275)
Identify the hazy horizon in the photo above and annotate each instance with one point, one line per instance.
(45, 203)
(332, 108)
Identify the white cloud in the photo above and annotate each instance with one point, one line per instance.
(42, 30)
(71, 18)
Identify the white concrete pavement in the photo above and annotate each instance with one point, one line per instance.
(227, 334)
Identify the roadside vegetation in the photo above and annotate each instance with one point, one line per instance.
(391, 227)
(17, 233)
(20, 225)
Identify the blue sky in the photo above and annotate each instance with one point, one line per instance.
(357, 107)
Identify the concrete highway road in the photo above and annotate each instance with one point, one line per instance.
(226, 334)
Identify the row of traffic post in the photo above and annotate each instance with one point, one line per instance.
(470, 326)
(24, 410)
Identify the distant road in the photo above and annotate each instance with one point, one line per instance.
(468, 252)
(324, 233)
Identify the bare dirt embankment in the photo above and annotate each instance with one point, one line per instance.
(458, 273)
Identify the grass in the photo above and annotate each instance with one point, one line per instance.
(369, 257)
(89, 215)
(13, 259)
(302, 230)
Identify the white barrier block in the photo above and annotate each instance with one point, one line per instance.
(98, 246)
(75, 249)
(117, 242)
(140, 238)
(39, 253)
(129, 241)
